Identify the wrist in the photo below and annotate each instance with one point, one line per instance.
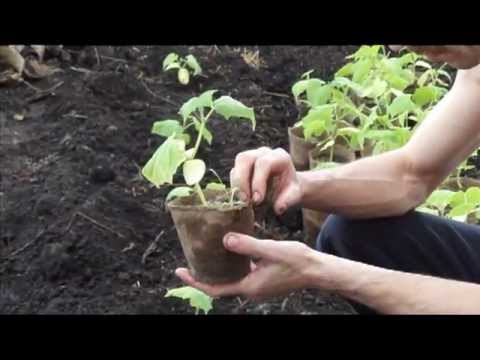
(311, 184)
(319, 271)
(332, 273)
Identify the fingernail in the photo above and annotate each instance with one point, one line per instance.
(230, 240)
(256, 197)
(281, 210)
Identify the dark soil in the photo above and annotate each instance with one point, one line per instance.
(79, 226)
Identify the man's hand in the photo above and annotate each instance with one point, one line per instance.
(283, 266)
(255, 168)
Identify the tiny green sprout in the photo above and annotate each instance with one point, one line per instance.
(173, 152)
(184, 66)
(197, 299)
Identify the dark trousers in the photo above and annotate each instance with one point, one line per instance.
(416, 243)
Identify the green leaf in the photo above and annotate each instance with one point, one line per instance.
(198, 299)
(216, 186)
(342, 81)
(193, 64)
(164, 163)
(348, 131)
(318, 120)
(374, 90)
(312, 87)
(205, 100)
(401, 105)
(167, 128)
(178, 192)
(472, 196)
(184, 137)
(366, 51)
(397, 81)
(207, 135)
(457, 199)
(193, 171)
(424, 95)
(317, 92)
(183, 76)
(461, 212)
(314, 129)
(318, 95)
(408, 58)
(174, 65)
(440, 198)
(345, 70)
(361, 69)
(229, 107)
(169, 59)
(299, 88)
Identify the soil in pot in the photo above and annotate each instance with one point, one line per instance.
(313, 219)
(201, 230)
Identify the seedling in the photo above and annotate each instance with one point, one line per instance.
(190, 205)
(185, 66)
(165, 162)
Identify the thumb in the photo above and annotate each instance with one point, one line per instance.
(250, 246)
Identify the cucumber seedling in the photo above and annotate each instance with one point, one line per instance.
(186, 66)
(196, 210)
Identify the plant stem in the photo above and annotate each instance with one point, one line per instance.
(232, 195)
(199, 191)
(203, 121)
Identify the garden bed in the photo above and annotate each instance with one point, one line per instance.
(82, 231)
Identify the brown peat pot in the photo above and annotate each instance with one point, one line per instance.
(201, 230)
(299, 148)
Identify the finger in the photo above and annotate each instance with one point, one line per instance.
(285, 200)
(241, 174)
(267, 166)
(211, 290)
(250, 246)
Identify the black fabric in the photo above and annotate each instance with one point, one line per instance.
(416, 242)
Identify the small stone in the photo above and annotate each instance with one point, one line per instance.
(102, 173)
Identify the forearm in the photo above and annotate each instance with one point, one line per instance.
(394, 292)
(370, 187)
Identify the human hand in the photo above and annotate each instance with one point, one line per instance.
(254, 170)
(283, 266)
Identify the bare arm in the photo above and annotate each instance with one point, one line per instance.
(395, 182)
(394, 292)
